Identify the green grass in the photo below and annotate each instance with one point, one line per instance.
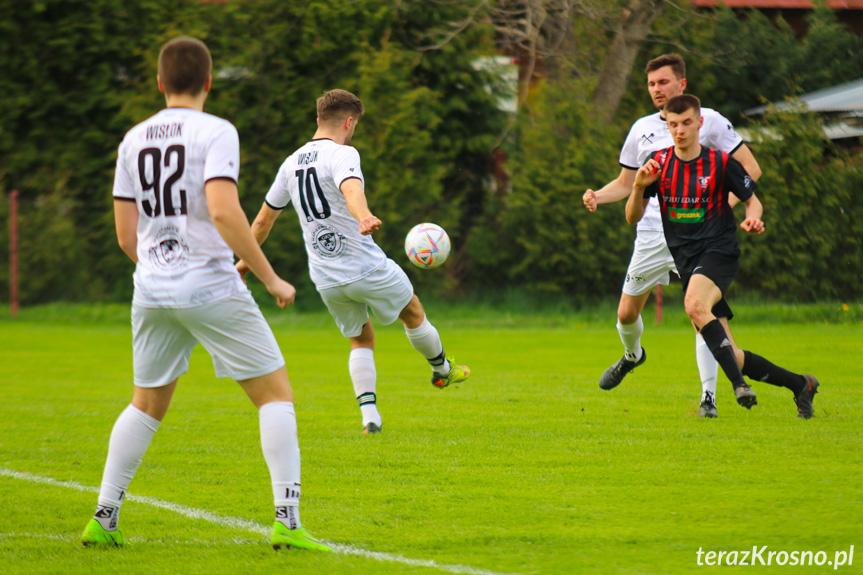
(526, 468)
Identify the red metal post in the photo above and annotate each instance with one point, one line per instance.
(13, 253)
(658, 304)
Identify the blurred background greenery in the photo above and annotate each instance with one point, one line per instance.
(488, 117)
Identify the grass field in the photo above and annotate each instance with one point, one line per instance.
(526, 468)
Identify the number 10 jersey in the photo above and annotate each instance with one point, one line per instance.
(163, 164)
(311, 178)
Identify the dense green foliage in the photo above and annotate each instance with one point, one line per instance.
(74, 76)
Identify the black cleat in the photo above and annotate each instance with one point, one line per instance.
(805, 397)
(745, 396)
(708, 406)
(614, 375)
(371, 428)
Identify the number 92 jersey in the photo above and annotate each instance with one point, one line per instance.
(311, 178)
(163, 164)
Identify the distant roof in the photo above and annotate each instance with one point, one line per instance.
(788, 4)
(842, 98)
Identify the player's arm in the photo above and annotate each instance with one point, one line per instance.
(126, 222)
(355, 198)
(637, 203)
(261, 228)
(744, 155)
(614, 191)
(754, 210)
(223, 202)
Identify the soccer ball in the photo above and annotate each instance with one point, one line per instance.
(427, 245)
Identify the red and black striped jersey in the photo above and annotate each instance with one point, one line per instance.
(693, 201)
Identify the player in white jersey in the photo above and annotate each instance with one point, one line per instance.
(178, 216)
(651, 260)
(324, 181)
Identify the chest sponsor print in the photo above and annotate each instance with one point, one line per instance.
(686, 215)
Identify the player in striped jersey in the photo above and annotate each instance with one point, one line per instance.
(651, 261)
(693, 185)
(178, 217)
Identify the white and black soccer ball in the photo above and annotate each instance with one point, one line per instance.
(427, 245)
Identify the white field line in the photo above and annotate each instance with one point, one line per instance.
(237, 523)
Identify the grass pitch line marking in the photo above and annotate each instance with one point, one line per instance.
(237, 523)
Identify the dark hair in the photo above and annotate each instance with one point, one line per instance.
(678, 66)
(683, 103)
(338, 105)
(184, 66)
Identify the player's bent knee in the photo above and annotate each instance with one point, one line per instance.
(274, 386)
(413, 313)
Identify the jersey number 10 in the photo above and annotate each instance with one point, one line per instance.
(307, 195)
(166, 202)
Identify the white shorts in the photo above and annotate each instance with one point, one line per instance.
(651, 261)
(232, 330)
(387, 290)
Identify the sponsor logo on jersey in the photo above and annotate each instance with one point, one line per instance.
(704, 182)
(170, 251)
(686, 215)
(747, 181)
(329, 243)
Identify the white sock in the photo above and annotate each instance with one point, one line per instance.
(364, 375)
(630, 335)
(282, 452)
(133, 431)
(426, 340)
(708, 368)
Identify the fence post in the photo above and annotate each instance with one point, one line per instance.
(13, 253)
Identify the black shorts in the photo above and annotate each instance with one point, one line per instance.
(721, 269)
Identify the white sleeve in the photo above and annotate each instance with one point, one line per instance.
(629, 151)
(223, 154)
(279, 196)
(346, 165)
(124, 185)
(721, 135)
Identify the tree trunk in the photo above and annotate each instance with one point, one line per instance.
(634, 27)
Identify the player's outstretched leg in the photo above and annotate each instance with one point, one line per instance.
(613, 376)
(425, 339)
(804, 387)
(633, 356)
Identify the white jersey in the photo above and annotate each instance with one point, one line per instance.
(311, 178)
(162, 165)
(650, 134)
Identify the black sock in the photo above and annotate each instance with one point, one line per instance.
(717, 341)
(757, 368)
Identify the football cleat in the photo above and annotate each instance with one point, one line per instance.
(283, 538)
(95, 535)
(708, 406)
(805, 397)
(614, 375)
(745, 396)
(371, 428)
(456, 374)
